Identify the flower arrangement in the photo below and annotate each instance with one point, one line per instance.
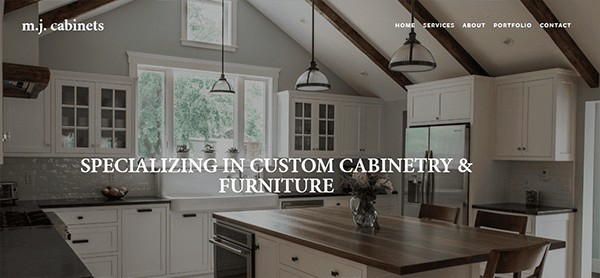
(367, 184)
(233, 150)
(182, 148)
(208, 148)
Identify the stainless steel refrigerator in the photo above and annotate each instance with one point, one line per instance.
(444, 189)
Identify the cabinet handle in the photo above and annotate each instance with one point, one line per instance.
(524, 148)
(5, 136)
(80, 241)
(437, 118)
(79, 217)
(144, 210)
(189, 215)
(68, 234)
(334, 273)
(256, 247)
(47, 145)
(519, 148)
(294, 259)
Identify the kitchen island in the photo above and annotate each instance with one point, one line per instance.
(326, 242)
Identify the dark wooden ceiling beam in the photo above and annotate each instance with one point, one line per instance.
(564, 41)
(445, 39)
(71, 11)
(361, 43)
(13, 5)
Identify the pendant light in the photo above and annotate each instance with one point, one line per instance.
(412, 56)
(222, 86)
(312, 79)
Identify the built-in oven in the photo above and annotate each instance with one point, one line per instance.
(233, 251)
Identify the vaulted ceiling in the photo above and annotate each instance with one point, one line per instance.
(374, 20)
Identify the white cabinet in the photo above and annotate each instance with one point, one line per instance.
(308, 125)
(535, 116)
(325, 125)
(28, 122)
(188, 243)
(361, 129)
(144, 240)
(266, 255)
(102, 266)
(440, 104)
(559, 262)
(93, 117)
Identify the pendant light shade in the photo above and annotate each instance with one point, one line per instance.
(312, 79)
(412, 56)
(222, 86)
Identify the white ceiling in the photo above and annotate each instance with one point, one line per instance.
(374, 20)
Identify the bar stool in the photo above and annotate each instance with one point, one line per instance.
(442, 213)
(512, 223)
(515, 260)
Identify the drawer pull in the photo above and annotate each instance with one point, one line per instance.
(80, 241)
(294, 259)
(335, 273)
(79, 217)
(189, 215)
(144, 210)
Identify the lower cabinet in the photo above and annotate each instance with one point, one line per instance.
(265, 258)
(189, 248)
(144, 241)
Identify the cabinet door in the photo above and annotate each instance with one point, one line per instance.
(266, 257)
(325, 117)
(102, 266)
(144, 241)
(28, 121)
(509, 120)
(351, 129)
(537, 118)
(114, 122)
(189, 242)
(302, 124)
(455, 103)
(74, 116)
(371, 129)
(424, 106)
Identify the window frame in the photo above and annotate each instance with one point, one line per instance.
(169, 65)
(227, 47)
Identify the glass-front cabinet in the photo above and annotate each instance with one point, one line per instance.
(93, 117)
(312, 127)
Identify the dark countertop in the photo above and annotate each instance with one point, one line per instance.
(335, 194)
(38, 252)
(403, 245)
(100, 201)
(523, 209)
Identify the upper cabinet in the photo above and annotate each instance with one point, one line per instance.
(445, 102)
(78, 114)
(326, 125)
(535, 116)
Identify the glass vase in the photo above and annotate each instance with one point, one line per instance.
(363, 212)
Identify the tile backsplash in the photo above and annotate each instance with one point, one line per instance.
(556, 191)
(58, 178)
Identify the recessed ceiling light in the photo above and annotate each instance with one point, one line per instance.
(508, 41)
(364, 73)
(303, 20)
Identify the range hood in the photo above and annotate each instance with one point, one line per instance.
(24, 81)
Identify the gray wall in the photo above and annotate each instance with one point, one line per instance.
(393, 140)
(20, 47)
(585, 93)
(154, 27)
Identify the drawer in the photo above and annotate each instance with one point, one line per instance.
(93, 240)
(88, 216)
(315, 264)
(337, 201)
(102, 266)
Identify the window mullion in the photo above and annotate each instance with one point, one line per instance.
(238, 124)
(168, 145)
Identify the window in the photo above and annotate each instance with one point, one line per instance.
(201, 24)
(174, 107)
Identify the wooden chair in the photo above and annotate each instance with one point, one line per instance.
(515, 260)
(513, 223)
(427, 211)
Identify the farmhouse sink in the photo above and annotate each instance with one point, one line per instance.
(200, 192)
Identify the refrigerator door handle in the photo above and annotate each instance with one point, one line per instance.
(425, 186)
(431, 182)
